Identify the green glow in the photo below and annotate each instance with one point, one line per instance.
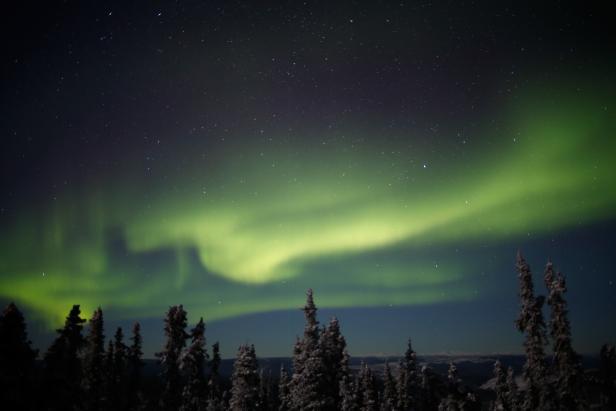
(245, 231)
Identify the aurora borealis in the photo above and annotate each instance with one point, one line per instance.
(227, 159)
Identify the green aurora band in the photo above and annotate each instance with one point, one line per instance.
(247, 231)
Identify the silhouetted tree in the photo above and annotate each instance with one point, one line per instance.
(283, 390)
(348, 398)
(308, 377)
(135, 366)
(512, 391)
(530, 322)
(120, 356)
(214, 388)
(390, 393)
(452, 400)
(109, 378)
(429, 386)
(175, 333)
(120, 351)
(216, 404)
(369, 393)
(566, 364)
(501, 389)
(245, 381)
(332, 345)
(63, 371)
(298, 358)
(408, 380)
(93, 363)
(459, 398)
(193, 363)
(16, 360)
(267, 395)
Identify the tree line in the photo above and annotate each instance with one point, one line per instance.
(80, 372)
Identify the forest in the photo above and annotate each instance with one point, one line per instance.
(83, 371)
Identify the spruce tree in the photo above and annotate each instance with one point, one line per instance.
(390, 397)
(175, 333)
(308, 377)
(120, 355)
(453, 399)
(245, 381)
(348, 399)
(332, 345)
(453, 380)
(566, 362)
(460, 397)
(93, 363)
(267, 398)
(501, 389)
(214, 388)
(193, 365)
(369, 393)
(408, 380)
(283, 390)
(16, 360)
(63, 366)
(298, 358)
(135, 366)
(531, 323)
(216, 404)
(109, 378)
(428, 385)
(512, 391)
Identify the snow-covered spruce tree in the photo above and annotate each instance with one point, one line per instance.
(267, 396)
(459, 397)
(359, 389)
(245, 381)
(530, 322)
(175, 333)
(512, 391)
(63, 370)
(214, 389)
(93, 363)
(501, 389)
(348, 399)
(308, 377)
(369, 393)
(193, 364)
(16, 360)
(298, 357)
(567, 366)
(429, 390)
(332, 344)
(283, 390)
(451, 402)
(408, 380)
(216, 404)
(403, 402)
(390, 393)
(135, 366)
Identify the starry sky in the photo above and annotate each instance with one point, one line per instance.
(228, 155)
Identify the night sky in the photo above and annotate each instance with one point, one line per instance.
(229, 155)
